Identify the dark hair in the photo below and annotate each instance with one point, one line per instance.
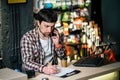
(47, 15)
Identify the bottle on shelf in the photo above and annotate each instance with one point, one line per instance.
(66, 30)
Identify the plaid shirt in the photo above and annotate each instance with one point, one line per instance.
(33, 54)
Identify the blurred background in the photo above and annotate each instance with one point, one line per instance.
(17, 18)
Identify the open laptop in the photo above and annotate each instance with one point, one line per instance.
(89, 62)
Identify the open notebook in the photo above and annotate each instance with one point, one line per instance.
(89, 62)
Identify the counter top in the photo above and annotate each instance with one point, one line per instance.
(9, 74)
(86, 72)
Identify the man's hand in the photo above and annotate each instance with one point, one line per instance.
(50, 69)
(56, 37)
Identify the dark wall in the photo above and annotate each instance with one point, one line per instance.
(107, 14)
(96, 14)
(16, 20)
(111, 23)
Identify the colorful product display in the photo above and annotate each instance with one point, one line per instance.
(80, 35)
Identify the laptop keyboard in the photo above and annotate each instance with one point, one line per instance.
(89, 62)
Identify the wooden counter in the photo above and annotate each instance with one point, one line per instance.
(86, 72)
(9, 74)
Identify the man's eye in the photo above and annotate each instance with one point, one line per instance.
(47, 26)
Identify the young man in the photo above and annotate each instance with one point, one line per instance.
(39, 47)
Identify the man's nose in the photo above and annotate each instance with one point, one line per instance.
(49, 30)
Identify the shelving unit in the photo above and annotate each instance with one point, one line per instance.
(79, 34)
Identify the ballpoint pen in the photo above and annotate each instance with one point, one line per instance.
(49, 62)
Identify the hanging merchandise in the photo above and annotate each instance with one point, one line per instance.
(48, 4)
(68, 4)
(78, 23)
(75, 2)
(37, 5)
(54, 4)
(81, 4)
(66, 30)
(96, 29)
(65, 17)
(63, 6)
(58, 23)
(59, 4)
(87, 3)
(41, 4)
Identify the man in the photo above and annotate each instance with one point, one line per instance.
(39, 47)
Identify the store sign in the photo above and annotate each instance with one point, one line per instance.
(16, 1)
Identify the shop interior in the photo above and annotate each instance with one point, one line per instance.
(89, 28)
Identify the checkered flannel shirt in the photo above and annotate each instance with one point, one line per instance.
(33, 54)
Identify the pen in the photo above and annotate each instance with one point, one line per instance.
(49, 62)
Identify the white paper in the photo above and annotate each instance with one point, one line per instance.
(63, 71)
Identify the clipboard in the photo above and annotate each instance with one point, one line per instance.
(66, 72)
(71, 73)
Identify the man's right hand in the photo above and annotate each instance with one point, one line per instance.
(50, 69)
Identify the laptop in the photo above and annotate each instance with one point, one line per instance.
(89, 62)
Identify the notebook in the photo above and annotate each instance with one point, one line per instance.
(89, 62)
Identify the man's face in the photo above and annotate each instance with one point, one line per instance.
(46, 28)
